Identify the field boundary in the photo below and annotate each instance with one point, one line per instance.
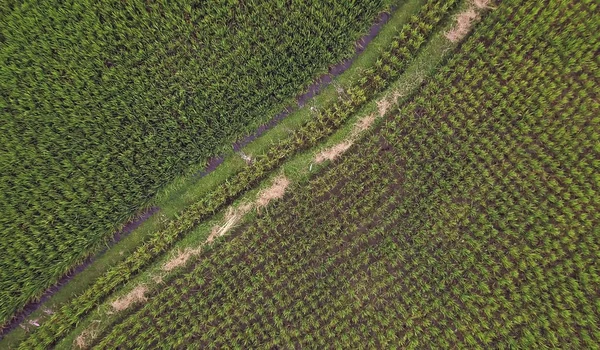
(147, 216)
(345, 108)
(313, 89)
(299, 169)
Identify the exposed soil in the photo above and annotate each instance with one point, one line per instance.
(232, 217)
(180, 259)
(276, 191)
(33, 306)
(464, 22)
(333, 152)
(466, 19)
(363, 124)
(386, 102)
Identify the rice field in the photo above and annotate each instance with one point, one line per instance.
(104, 103)
(465, 214)
(468, 218)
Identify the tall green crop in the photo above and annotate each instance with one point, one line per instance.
(307, 135)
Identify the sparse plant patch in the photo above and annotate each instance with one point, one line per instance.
(87, 336)
(466, 19)
(276, 191)
(135, 296)
(180, 259)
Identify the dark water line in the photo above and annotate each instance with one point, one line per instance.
(33, 306)
(314, 89)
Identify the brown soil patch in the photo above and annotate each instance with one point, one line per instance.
(87, 336)
(276, 191)
(464, 22)
(135, 296)
(333, 152)
(180, 259)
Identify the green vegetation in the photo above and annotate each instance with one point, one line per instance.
(102, 103)
(391, 64)
(469, 218)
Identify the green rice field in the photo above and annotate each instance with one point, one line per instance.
(444, 192)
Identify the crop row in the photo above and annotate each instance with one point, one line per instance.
(469, 219)
(307, 136)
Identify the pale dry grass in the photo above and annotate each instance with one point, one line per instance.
(332, 153)
(466, 19)
(158, 279)
(384, 104)
(482, 4)
(464, 22)
(363, 124)
(133, 297)
(276, 191)
(232, 217)
(180, 259)
(88, 335)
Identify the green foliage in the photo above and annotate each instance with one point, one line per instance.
(102, 103)
(306, 136)
(469, 219)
